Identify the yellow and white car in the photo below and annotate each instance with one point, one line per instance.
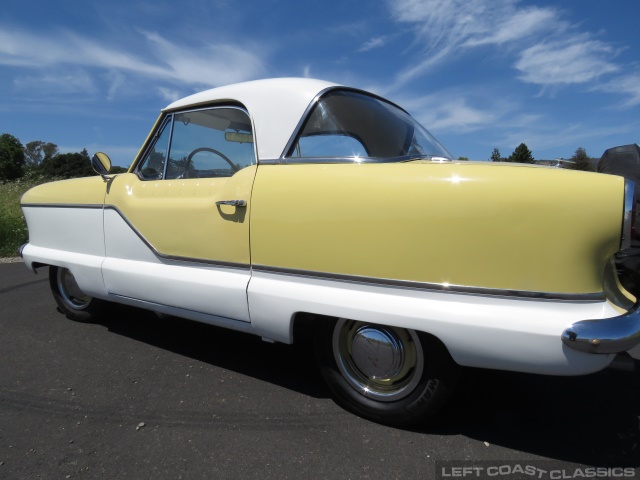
(287, 205)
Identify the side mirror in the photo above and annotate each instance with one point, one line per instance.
(101, 164)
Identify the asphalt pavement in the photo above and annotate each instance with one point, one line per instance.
(139, 397)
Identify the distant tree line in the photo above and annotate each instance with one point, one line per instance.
(42, 159)
(521, 154)
(578, 161)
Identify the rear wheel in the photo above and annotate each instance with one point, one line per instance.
(388, 374)
(71, 300)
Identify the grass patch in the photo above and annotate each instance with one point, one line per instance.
(13, 228)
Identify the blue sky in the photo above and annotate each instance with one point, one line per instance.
(477, 74)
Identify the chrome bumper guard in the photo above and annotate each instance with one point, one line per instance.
(606, 335)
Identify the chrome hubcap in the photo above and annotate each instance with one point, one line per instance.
(382, 363)
(70, 291)
(376, 353)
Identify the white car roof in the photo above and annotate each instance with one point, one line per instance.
(275, 105)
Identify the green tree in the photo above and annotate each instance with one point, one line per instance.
(37, 151)
(68, 165)
(581, 160)
(11, 157)
(495, 156)
(521, 154)
(463, 158)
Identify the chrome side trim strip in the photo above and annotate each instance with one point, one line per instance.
(338, 160)
(62, 205)
(218, 263)
(438, 287)
(606, 335)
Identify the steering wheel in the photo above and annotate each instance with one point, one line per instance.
(211, 150)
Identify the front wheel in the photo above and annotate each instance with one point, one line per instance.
(71, 300)
(388, 374)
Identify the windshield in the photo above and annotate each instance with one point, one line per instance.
(353, 126)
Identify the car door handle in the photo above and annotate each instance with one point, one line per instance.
(235, 203)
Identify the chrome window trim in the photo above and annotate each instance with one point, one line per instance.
(166, 153)
(150, 144)
(437, 287)
(170, 117)
(344, 160)
(627, 222)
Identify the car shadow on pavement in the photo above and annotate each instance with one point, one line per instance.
(291, 367)
(593, 420)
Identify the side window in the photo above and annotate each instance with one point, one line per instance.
(329, 144)
(215, 142)
(349, 125)
(152, 166)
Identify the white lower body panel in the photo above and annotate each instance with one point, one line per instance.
(67, 237)
(132, 270)
(209, 290)
(479, 331)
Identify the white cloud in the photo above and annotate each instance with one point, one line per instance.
(569, 61)
(498, 122)
(545, 135)
(116, 80)
(522, 24)
(26, 49)
(56, 82)
(375, 42)
(210, 64)
(451, 111)
(170, 95)
(445, 29)
(205, 64)
(628, 85)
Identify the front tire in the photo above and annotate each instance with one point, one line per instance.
(72, 301)
(387, 374)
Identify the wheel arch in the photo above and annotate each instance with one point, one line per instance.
(303, 324)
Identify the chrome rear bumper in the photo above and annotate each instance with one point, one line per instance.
(606, 335)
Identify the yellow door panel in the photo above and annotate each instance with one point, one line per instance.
(180, 217)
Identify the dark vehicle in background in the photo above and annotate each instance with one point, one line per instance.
(625, 162)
